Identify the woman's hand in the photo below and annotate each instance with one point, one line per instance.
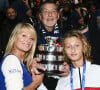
(36, 75)
(65, 70)
(35, 66)
(37, 79)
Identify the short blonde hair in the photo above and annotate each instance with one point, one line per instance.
(20, 27)
(85, 43)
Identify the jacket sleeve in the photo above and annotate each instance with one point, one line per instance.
(13, 73)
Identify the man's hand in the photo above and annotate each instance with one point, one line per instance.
(65, 69)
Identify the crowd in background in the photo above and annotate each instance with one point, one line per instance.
(29, 22)
(83, 15)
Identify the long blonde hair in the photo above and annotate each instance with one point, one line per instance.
(20, 27)
(85, 43)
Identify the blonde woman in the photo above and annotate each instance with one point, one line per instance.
(83, 75)
(14, 75)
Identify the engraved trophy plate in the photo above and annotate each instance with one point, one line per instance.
(51, 56)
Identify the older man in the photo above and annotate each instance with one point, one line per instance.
(48, 27)
(48, 22)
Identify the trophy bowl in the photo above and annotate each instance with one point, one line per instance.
(51, 56)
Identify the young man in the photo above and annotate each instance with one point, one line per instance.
(8, 25)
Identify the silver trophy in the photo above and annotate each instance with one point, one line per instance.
(51, 55)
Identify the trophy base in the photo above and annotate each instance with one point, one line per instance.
(52, 72)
